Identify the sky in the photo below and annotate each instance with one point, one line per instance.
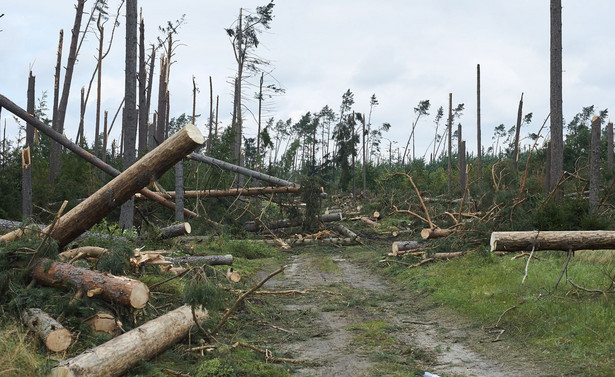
(403, 51)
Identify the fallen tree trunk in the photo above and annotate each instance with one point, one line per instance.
(212, 260)
(175, 230)
(398, 246)
(429, 233)
(121, 188)
(308, 241)
(289, 223)
(344, 231)
(81, 252)
(117, 289)
(55, 337)
(248, 191)
(553, 240)
(368, 221)
(116, 356)
(60, 138)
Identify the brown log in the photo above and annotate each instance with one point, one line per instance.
(454, 254)
(81, 252)
(429, 233)
(175, 230)
(368, 221)
(104, 322)
(120, 290)
(116, 356)
(248, 191)
(51, 332)
(212, 260)
(398, 246)
(553, 240)
(121, 188)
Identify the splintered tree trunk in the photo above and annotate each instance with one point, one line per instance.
(123, 352)
(553, 240)
(518, 132)
(176, 230)
(594, 166)
(122, 187)
(212, 260)
(26, 189)
(117, 289)
(51, 332)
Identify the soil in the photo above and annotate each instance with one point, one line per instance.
(327, 327)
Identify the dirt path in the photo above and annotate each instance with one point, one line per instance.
(357, 324)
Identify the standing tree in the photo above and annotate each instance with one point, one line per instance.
(26, 188)
(518, 132)
(129, 118)
(479, 151)
(244, 39)
(345, 139)
(557, 134)
(420, 110)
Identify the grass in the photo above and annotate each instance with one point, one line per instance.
(18, 354)
(567, 323)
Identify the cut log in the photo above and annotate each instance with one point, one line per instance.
(87, 156)
(212, 260)
(120, 290)
(116, 356)
(429, 233)
(553, 240)
(175, 230)
(376, 215)
(344, 231)
(233, 276)
(104, 323)
(82, 252)
(121, 188)
(289, 223)
(453, 254)
(51, 332)
(398, 246)
(368, 221)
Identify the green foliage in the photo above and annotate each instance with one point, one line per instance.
(247, 249)
(117, 260)
(569, 214)
(204, 292)
(310, 195)
(214, 368)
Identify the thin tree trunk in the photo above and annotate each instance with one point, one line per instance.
(56, 149)
(101, 36)
(449, 127)
(518, 132)
(557, 138)
(179, 191)
(609, 143)
(211, 115)
(162, 107)
(364, 160)
(594, 166)
(548, 169)
(56, 83)
(479, 147)
(129, 119)
(79, 138)
(143, 108)
(151, 128)
(26, 189)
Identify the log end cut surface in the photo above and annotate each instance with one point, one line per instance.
(194, 134)
(139, 296)
(58, 340)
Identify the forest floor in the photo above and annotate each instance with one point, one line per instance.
(352, 321)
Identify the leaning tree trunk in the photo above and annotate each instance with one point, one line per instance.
(116, 289)
(123, 352)
(42, 127)
(122, 187)
(55, 337)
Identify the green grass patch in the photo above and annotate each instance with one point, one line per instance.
(373, 334)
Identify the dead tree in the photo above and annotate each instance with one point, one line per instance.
(26, 189)
(479, 151)
(594, 166)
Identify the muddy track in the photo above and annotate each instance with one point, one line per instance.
(420, 336)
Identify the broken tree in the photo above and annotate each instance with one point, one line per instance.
(121, 353)
(553, 240)
(121, 188)
(117, 289)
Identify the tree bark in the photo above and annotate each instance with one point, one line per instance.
(55, 337)
(346, 232)
(26, 189)
(212, 260)
(176, 230)
(116, 289)
(609, 146)
(552, 240)
(179, 191)
(54, 157)
(116, 356)
(56, 84)
(143, 109)
(449, 127)
(594, 166)
(557, 133)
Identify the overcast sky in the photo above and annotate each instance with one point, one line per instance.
(403, 51)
